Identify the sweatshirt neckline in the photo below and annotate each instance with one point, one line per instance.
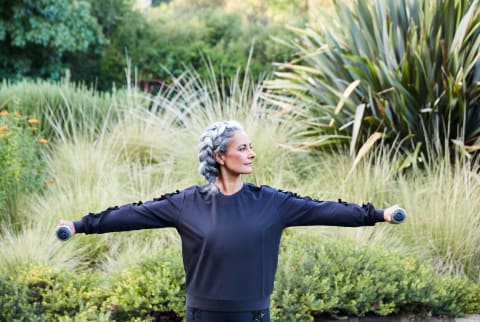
(234, 194)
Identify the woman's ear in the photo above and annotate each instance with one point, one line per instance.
(220, 158)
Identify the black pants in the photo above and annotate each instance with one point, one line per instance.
(196, 315)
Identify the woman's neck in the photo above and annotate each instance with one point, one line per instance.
(229, 187)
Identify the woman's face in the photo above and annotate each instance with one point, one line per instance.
(239, 155)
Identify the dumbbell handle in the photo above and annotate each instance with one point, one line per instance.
(398, 216)
(63, 233)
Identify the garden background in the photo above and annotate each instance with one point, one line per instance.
(102, 104)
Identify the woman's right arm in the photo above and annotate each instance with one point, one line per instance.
(161, 212)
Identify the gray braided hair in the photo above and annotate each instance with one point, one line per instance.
(215, 139)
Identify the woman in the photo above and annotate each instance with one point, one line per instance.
(230, 229)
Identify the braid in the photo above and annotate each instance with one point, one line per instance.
(214, 140)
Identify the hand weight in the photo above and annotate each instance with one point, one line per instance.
(398, 216)
(63, 233)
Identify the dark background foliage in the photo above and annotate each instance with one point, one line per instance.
(95, 40)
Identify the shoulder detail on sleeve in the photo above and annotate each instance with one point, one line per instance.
(166, 195)
(296, 195)
(135, 204)
(109, 209)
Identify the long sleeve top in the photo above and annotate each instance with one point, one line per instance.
(230, 243)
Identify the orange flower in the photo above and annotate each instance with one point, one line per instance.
(42, 141)
(2, 135)
(18, 115)
(33, 121)
(49, 181)
(4, 113)
(3, 127)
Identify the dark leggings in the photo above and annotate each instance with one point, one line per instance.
(196, 315)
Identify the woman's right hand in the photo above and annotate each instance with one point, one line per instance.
(67, 223)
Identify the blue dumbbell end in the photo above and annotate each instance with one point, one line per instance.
(398, 216)
(63, 233)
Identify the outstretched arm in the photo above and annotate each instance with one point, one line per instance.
(161, 212)
(305, 211)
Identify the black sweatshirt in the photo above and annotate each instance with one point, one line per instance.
(230, 243)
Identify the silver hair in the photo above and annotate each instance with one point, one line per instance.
(215, 139)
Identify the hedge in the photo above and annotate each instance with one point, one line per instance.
(314, 277)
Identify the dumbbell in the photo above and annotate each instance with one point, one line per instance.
(398, 216)
(63, 233)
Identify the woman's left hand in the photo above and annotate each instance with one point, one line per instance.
(387, 213)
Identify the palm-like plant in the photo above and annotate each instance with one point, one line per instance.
(403, 70)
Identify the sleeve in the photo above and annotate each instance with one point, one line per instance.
(305, 211)
(158, 213)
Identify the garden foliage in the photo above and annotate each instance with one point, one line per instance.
(407, 70)
(36, 36)
(95, 40)
(100, 161)
(342, 279)
(63, 109)
(314, 277)
(22, 166)
(161, 48)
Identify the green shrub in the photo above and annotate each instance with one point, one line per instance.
(39, 293)
(45, 293)
(154, 285)
(314, 277)
(340, 279)
(14, 304)
(21, 163)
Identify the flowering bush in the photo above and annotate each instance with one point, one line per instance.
(21, 162)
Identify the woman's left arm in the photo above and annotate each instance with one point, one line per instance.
(305, 211)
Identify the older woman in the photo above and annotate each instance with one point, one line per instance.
(230, 229)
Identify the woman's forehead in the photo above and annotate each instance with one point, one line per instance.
(239, 137)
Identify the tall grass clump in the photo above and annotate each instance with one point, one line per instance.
(373, 178)
(407, 70)
(148, 149)
(67, 105)
(441, 201)
(445, 226)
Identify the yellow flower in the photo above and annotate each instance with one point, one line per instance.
(33, 121)
(42, 141)
(2, 135)
(18, 115)
(4, 113)
(3, 127)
